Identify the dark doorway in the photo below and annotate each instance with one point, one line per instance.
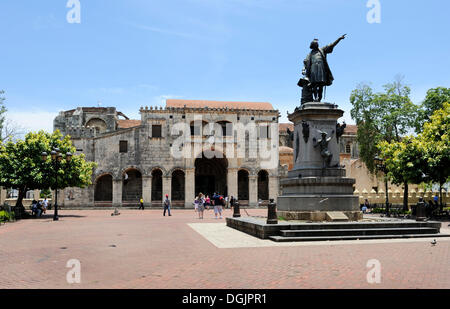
(243, 185)
(132, 186)
(157, 186)
(178, 186)
(263, 186)
(211, 176)
(103, 189)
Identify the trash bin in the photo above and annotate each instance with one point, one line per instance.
(421, 210)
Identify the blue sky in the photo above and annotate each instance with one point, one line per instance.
(139, 52)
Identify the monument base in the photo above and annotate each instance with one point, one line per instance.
(318, 216)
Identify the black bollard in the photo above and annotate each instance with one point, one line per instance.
(272, 217)
(236, 210)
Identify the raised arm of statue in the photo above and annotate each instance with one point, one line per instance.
(338, 40)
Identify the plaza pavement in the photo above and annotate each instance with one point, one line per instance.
(143, 249)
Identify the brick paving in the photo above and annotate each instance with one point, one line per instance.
(143, 249)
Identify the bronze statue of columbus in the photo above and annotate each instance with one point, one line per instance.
(316, 72)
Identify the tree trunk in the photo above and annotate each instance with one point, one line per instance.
(405, 198)
(441, 202)
(20, 197)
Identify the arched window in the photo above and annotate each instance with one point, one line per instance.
(348, 148)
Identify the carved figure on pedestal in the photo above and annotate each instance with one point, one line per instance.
(324, 151)
(305, 126)
(340, 130)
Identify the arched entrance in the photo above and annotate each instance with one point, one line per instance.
(178, 186)
(157, 186)
(243, 195)
(132, 186)
(103, 192)
(211, 175)
(263, 185)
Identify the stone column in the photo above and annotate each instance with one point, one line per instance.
(37, 194)
(189, 194)
(273, 188)
(253, 190)
(2, 195)
(167, 187)
(117, 192)
(147, 190)
(61, 197)
(232, 182)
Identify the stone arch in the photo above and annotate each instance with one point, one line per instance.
(178, 185)
(243, 184)
(211, 174)
(172, 170)
(97, 123)
(251, 171)
(263, 185)
(103, 189)
(131, 185)
(157, 185)
(131, 167)
(224, 124)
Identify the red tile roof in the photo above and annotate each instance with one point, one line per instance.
(219, 104)
(129, 123)
(285, 150)
(284, 126)
(351, 129)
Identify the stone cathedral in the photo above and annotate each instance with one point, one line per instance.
(136, 157)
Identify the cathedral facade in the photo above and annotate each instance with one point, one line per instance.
(186, 148)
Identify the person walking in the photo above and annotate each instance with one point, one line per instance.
(201, 205)
(207, 202)
(45, 205)
(218, 203)
(142, 204)
(167, 205)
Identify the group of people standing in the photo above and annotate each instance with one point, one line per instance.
(203, 202)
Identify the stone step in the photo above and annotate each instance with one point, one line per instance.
(363, 225)
(360, 237)
(358, 232)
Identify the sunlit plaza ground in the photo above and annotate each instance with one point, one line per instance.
(143, 249)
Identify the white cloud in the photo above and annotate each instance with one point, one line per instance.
(33, 120)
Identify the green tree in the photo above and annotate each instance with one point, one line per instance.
(21, 165)
(405, 161)
(434, 100)
(435, 139)
(382, 117)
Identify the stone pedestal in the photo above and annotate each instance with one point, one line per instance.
(314, 188)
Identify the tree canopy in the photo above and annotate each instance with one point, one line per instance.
(424, 158)
(382, 116)
(21, 165)
(434, 100)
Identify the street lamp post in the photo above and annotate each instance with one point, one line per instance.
(56, 158)
(379, 164)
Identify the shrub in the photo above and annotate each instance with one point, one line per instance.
(6, 216)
